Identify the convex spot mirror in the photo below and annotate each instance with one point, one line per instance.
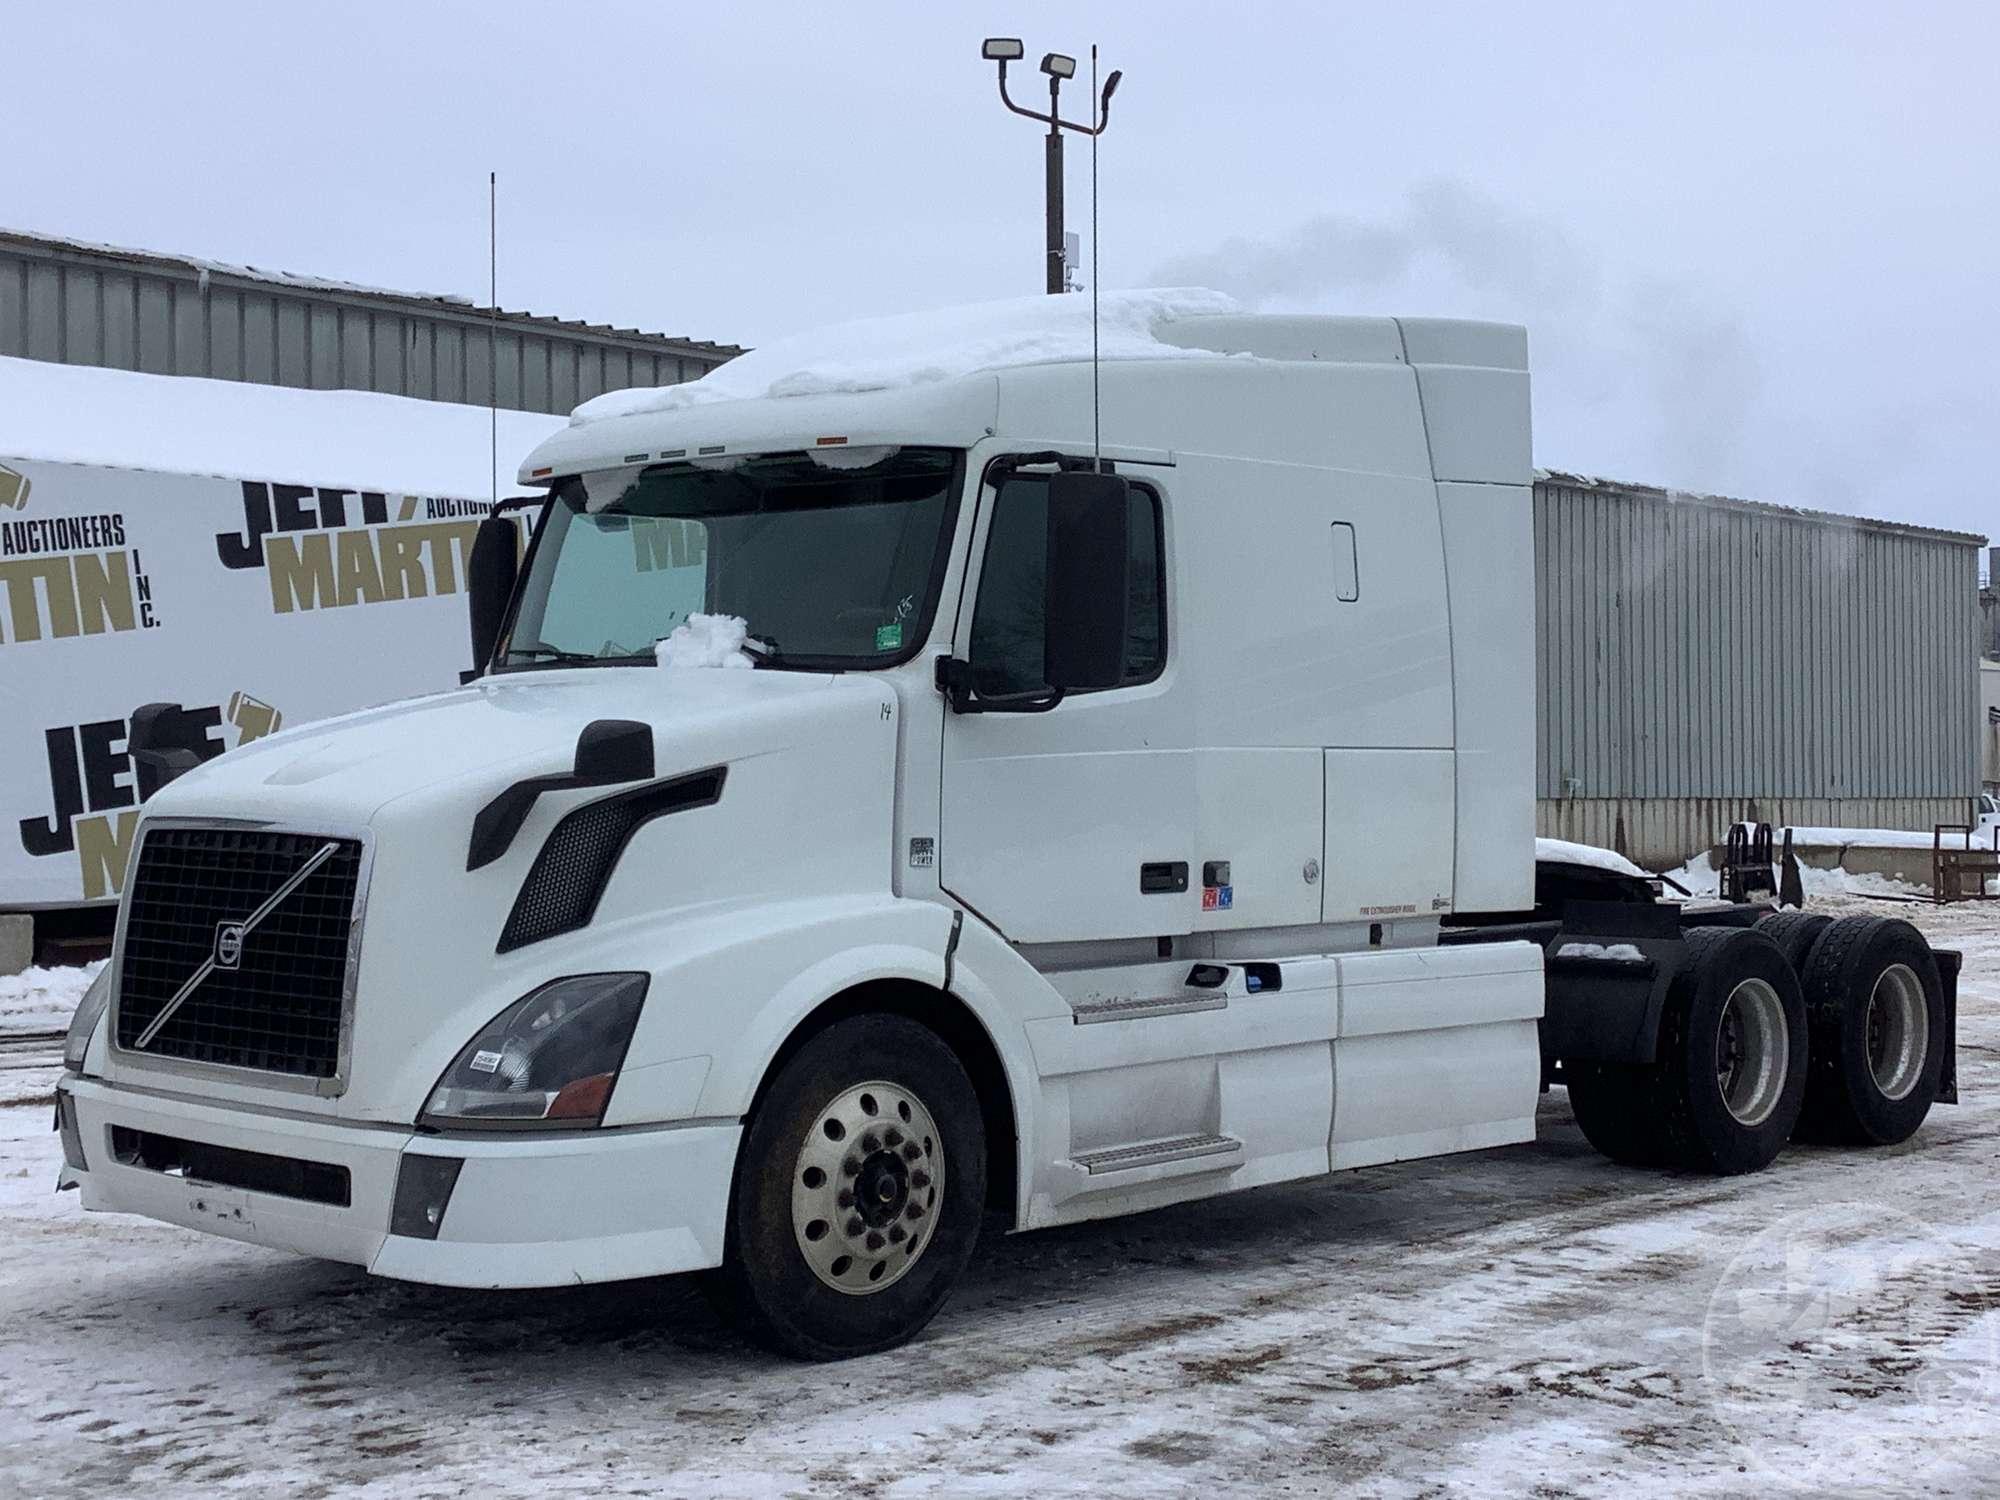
(1087, 584)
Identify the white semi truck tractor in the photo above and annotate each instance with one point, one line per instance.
(1107, 806)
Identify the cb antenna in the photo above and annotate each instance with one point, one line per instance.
(493, 326)
(1103, 119)
(1096, 411)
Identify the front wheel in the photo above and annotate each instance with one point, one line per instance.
(858, 1192)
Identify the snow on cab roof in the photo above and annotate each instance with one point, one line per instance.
(879, 354)
(80, 414)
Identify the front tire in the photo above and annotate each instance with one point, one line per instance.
(858, 1193)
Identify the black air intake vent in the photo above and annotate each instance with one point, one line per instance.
(575, 864)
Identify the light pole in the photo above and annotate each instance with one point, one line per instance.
(1006, 49)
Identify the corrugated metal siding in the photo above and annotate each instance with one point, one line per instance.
(164, 317)
(1735, 659)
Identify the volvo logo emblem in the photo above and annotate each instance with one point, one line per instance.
(228, 944)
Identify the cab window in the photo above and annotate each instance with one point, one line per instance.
(1008, 652)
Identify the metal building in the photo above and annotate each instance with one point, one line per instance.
(82, 304)
(1701, 661)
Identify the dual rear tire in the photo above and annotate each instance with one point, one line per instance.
(1830, 1031)
(1728, 1080)
(1875, 1012)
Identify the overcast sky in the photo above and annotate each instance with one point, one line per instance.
(1755, 245)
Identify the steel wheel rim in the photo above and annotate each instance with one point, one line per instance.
(1898, 1031)
(1752, 1052)
(866, 1187)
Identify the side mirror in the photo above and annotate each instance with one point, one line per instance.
(489, 584)
(1088, 582)
(160, 742)
(609, 751)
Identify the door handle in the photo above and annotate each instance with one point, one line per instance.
(1161, 877)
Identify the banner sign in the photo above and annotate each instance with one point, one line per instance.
(257, 604)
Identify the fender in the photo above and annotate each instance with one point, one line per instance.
(760, 972)
(1005, 992)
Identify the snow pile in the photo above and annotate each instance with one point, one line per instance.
(1870, 838)
(180, 424)
(879, 354)
(706, 641)
(1564, 852)
(43, 999)
(1700, 878)
(1621, 953)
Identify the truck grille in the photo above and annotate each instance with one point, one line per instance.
(280, 1008)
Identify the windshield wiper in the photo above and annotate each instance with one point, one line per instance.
(764, 649)
(551, 653)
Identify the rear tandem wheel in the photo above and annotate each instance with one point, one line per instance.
(1728, 1079)
(1875, 1010)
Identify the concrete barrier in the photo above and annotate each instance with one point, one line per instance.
(17, 942)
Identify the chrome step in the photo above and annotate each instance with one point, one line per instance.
(1156, 1153)
(1094, 1011)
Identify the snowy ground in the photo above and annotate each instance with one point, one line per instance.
(1525, 1321)
(41, 1000)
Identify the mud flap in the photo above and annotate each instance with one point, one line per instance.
(1601, 1004)
(1949, 961)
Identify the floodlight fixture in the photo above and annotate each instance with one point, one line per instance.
(1060, 67)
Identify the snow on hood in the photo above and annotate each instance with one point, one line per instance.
(706, 641)
(878, 354)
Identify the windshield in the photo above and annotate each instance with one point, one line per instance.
(831, 560)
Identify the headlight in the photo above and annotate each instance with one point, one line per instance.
(549, 1060)
(89, 1011)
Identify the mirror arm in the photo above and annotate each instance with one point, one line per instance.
(954, 680)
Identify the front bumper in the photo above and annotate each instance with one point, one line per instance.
(526, 1210)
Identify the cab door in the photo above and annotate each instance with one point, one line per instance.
(1075, 822)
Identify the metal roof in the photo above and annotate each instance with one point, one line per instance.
(214, 271)
(1658, 493)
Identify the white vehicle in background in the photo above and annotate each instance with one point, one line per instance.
(1076, 839)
